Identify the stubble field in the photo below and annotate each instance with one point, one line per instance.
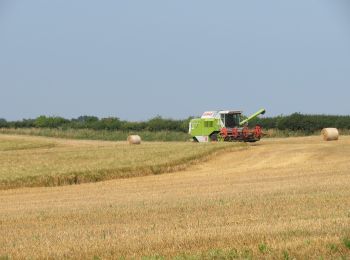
(277, 199)
(36, 161)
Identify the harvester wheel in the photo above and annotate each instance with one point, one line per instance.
(214, 137)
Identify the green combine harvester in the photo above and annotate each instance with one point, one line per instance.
(224, 126)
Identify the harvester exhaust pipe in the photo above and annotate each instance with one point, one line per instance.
(260, 112)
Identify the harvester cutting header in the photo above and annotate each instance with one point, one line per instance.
(224, 126)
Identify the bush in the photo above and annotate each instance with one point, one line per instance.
(3, 123)
(50, 122)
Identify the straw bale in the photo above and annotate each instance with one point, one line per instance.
(134, 139)
(330, 134)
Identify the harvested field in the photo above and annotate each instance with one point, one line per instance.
(278, 199)
(37, 161)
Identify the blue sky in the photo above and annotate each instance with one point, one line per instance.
(139, 59)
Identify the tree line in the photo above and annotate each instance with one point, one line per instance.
(303, 122)
(293, 122)
(92, 122)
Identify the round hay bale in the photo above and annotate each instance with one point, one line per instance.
(330, 134)
(134, 139)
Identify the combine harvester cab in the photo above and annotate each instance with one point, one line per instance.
(224, 126)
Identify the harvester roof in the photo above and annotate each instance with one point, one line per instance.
(216, 114)
(230, 112)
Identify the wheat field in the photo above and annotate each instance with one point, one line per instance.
(277, 199)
